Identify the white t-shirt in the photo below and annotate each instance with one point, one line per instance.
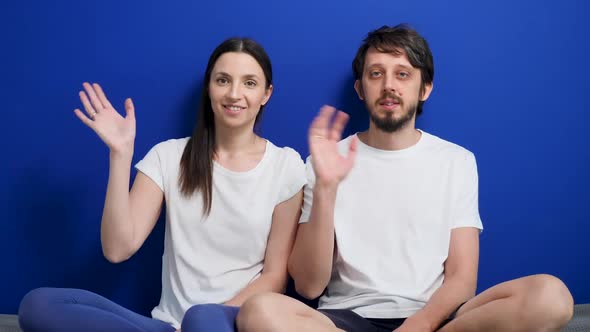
(209, 259)
(393, 219)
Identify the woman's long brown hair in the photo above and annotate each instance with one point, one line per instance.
(196, 164)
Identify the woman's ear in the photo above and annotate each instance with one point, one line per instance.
(267, 94)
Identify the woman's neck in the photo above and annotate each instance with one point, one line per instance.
(238, 150)
(232, 141)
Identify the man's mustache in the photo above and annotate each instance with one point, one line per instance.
(389, 95)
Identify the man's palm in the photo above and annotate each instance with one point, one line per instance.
(329, 165)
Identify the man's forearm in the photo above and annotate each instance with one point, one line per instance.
(452, 293)
(265, 283)
(310, 262)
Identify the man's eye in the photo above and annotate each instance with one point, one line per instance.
(375, 74)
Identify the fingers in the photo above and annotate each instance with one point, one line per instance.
(319, 125)
(96, 103)
(83, 118)
(352, 148)
(323, 127)
(338, 126)
(87, 106)
(129, 108)
(101, 96)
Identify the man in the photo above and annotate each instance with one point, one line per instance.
(390, 223)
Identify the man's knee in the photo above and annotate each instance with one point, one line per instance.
(260, 313)
(550, 298)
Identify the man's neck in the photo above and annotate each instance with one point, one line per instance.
(400, 139)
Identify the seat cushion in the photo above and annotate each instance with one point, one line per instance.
(581, 320)
(9, 323)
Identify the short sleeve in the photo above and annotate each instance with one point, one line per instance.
(292, 174)
(465, 206)
(307, 192)
(152, 165)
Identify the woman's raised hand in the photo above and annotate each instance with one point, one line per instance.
(116, 131)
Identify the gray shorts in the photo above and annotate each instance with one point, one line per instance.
(350, 321)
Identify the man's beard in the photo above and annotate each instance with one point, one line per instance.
(388, 123)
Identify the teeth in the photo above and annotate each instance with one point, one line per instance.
(234, 108)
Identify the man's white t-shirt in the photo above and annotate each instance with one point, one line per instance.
(209, 259)
(392, 221)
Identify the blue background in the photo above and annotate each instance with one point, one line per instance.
(510, 84)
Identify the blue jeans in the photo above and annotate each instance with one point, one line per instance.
(65, 309)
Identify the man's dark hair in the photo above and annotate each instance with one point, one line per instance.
(398, 40)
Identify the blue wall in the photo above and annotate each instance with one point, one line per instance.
(510, 85)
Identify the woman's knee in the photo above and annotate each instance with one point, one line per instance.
(33, 307)
(214, 315)
(202, 309)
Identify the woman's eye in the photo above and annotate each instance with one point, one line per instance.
(250, 84)
(222, 81)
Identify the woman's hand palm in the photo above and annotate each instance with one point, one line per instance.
(116, 131)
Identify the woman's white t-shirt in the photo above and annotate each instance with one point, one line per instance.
(209, 259)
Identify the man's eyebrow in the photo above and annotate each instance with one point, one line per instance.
(379, 64)
(406, 67)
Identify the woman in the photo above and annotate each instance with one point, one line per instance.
(232, 203)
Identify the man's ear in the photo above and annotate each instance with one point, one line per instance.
(427, 90)
(358, 87)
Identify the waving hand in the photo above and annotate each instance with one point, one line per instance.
(329, 165)
(116, 131)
